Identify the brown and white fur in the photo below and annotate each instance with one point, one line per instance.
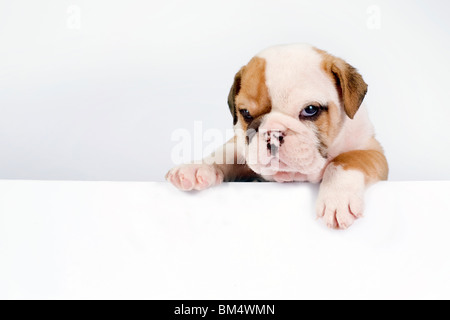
(275, 141)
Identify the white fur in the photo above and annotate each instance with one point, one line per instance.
(295, 78)
(359, 127)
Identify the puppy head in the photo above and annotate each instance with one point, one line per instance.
(289, 103)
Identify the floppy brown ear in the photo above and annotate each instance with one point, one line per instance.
(233, 93)
(350, 84)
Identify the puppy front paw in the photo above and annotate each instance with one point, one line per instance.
(189, 177)
(340, 210)
(341, 200)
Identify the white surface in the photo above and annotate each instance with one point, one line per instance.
(93, 90)
(236, 241)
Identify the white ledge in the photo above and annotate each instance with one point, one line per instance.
(89, 240)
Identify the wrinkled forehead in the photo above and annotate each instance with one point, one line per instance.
(294, 75)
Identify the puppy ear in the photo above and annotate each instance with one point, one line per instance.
(233, 93)
(350, 84)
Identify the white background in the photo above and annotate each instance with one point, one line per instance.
(145, 240)
(93, 90)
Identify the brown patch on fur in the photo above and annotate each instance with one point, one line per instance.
(350, 84)
(237, 170)
(372, 163)
(328, 126)
(233, 93)
(250, 92)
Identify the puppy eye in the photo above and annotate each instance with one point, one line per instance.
(246, 114)
(309, 111)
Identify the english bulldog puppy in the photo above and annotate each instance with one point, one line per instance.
(298, 116)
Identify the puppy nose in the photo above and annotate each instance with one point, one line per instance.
(274, 139)
(275, 135)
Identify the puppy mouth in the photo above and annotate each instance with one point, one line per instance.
(283, 171)
(280, 172)
(282, 166)
(276, 165)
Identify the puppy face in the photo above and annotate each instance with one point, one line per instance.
(290, 104)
